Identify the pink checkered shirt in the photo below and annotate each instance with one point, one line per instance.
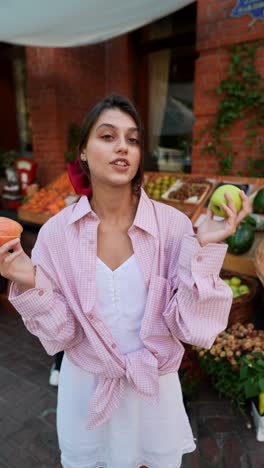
(186, 301)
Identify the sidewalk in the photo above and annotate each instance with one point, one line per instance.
(28, 411)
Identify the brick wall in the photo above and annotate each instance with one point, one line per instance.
(63, 83)
(215, 31)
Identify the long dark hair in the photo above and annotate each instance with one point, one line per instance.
(112, 101)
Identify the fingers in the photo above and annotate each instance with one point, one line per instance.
(209, 214)
(12, 244)
(7, 257)
(230, 209)
(245, 211)
(230, 203)
(231, 215)
(12, 256)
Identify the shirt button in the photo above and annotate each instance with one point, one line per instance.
(41, 292)
(113, 345)
(91, 316)
(199, 259)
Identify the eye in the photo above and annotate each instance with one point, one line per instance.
(107, 137)
(133, 140)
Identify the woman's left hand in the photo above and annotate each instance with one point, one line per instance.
(211, 230)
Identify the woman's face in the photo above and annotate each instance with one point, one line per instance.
(113, 149)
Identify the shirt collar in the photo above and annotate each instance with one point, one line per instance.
(81, 209)
(145, 216)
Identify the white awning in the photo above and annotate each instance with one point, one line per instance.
(66, 23)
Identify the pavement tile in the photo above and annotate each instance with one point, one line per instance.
(257, 461)
(234, 452)
(8, 427)
(37, 438)
(14, 457)
(28, 437)
(49, 416)
(219, 424)
(210, 451)
(192, 460)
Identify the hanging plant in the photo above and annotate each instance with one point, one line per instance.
(73, 140)
(241, 97)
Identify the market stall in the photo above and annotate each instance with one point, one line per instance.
(189, 193)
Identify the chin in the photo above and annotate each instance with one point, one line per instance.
(121, 181)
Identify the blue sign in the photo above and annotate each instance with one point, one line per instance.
(255, 8)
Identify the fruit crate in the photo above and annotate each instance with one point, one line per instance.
(157, 183)
(242, 309)
(185, 192)
(189, 191)
(48, 201)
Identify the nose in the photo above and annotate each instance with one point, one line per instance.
(121, 146)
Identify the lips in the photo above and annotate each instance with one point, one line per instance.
(121, 162)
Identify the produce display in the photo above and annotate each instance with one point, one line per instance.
(242, 240)
(238, 287)
(50, 199)
(258, 202)
(178, 189)
(188, 190)
(9, 229)
(218, 197)
(157, 186)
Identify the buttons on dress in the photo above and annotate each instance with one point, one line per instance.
(91, 316)
(113, 345)
(41, 292)
(199, 258)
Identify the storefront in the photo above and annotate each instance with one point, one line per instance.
(168, 68)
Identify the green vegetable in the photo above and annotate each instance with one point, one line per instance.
(251, 221)
(240, 242)
(258, 202)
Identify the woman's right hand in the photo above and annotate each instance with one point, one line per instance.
(16, 265)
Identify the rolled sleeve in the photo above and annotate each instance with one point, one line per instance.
(201, 261)
(199, 309)
(30, 302)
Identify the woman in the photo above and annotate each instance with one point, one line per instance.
(117, 282)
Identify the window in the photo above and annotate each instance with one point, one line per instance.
(168, 47)
(23, 117)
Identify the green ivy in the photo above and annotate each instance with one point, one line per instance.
(73, 140)
(241, 97)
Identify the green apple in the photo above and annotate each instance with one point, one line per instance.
(235, 281)
(235, 291)
(218, 197)
(156, 194)
(244, 289)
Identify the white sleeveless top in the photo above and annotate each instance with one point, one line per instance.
(138, 433)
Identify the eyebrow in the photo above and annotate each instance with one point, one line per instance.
(131, 129)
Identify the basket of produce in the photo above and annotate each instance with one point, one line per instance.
(244, 290)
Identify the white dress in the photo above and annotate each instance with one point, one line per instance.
(138, 433)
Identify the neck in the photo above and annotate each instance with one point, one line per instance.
(114, 204)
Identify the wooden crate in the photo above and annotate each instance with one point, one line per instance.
(30, 217)
(190, 209)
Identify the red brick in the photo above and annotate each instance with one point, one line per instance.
(63, 83)
(233, 452)
(210, 451)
